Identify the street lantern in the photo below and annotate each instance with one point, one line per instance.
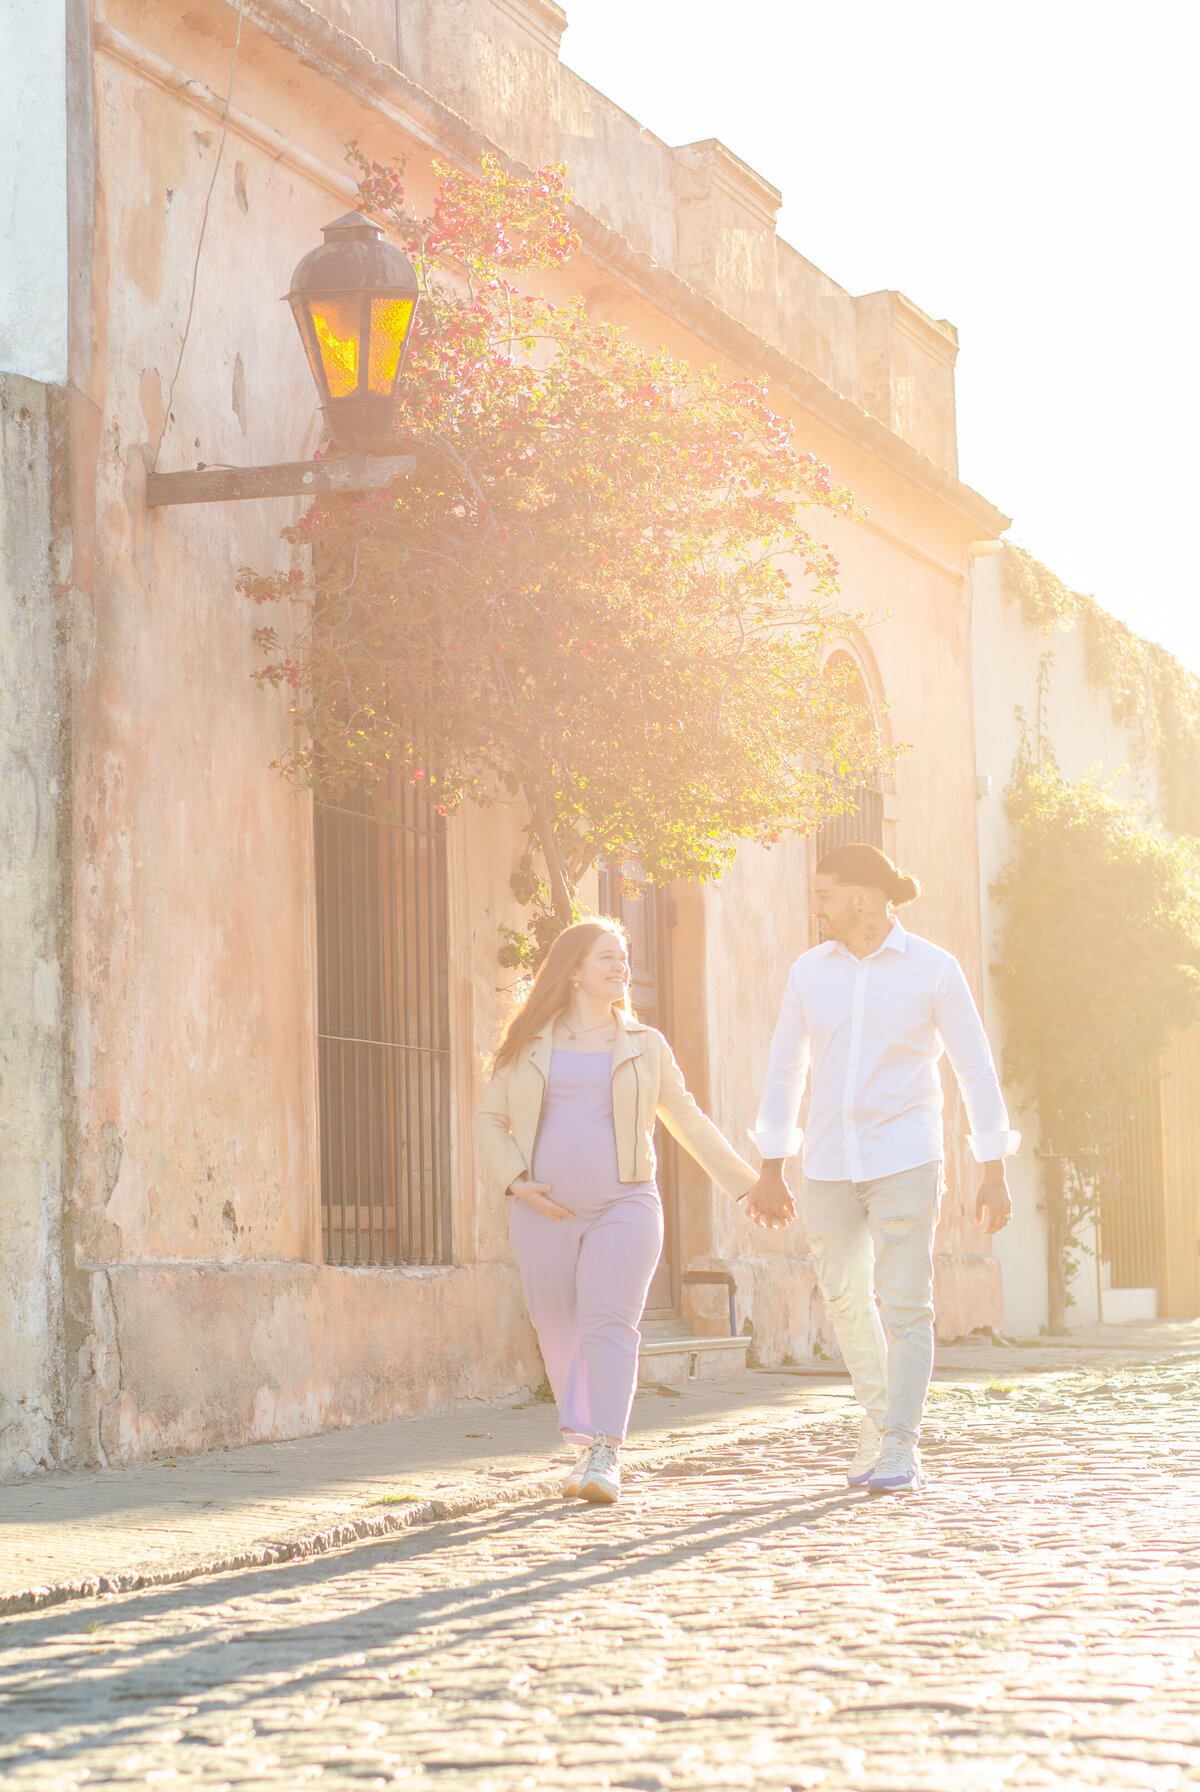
(354, 300)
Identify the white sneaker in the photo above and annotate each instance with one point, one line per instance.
(601, 1481)
(898, 1469)
(574, 1475)
(869, 1445)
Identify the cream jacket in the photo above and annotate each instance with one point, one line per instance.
(646, 1085)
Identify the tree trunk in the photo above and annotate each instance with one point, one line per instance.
(561, 895)
(1056, 1244)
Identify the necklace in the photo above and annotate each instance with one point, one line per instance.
(596, 1029)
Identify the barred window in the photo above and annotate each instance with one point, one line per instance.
(383, 1029)
(862, 822)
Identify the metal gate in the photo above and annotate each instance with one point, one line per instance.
(383, 1029)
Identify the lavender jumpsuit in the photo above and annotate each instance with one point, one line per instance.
(586, 1278)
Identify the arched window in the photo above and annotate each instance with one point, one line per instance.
(863, 820)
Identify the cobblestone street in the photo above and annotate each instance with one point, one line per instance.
(1031, 1620)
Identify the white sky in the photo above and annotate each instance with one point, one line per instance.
(1026, 168)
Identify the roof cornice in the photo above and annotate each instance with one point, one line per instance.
(300, 29)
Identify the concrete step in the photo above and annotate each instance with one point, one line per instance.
(1118, 1306)
(671, 1327)
(684, 1358)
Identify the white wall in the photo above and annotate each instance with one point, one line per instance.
(1006, 653)
(33, 189)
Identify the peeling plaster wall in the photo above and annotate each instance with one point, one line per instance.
(258, 1352)
(34, 311)
(32, 1137)
(194, 1044)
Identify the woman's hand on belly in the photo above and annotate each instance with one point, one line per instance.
(537, 1196)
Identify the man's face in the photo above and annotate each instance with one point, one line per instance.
(835, 905)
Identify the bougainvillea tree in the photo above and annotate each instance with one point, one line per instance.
(596, 596)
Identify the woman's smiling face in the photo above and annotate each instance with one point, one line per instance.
(603, 972)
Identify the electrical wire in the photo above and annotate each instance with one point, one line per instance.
(166, 423)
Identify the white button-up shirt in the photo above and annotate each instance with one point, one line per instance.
(872, 1030)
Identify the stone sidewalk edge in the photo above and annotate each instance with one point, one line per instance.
(337, 1536)
(293, 1549)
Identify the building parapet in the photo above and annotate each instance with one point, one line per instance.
(698, 211)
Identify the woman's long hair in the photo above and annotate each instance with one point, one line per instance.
(551, 989)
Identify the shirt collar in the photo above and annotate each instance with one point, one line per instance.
(896, 941)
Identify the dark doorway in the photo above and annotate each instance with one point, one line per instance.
(646, 911)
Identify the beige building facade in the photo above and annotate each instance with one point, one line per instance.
(190, 1116)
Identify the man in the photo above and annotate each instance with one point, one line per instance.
(868, 1013)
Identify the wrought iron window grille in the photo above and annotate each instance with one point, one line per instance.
(383, 1035)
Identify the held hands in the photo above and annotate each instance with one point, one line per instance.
(770, 1203)
(537, 1196)
(993, 1199)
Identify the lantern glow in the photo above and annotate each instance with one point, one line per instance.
(354, 300)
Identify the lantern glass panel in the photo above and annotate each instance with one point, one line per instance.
(336, 324)
(299, 312)
(390, 321)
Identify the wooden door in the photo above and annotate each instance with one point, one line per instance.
(1131, 1218)
(1179, 1089)
(1150, 1222)
(646, 912)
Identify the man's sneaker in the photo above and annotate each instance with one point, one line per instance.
(898, 1469)
(574, 1475)
(600, 1484)
(869, 1444)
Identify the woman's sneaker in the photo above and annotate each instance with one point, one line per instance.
(574, 1475)
(898, 1469)
(869, 1444)
(600, 1484)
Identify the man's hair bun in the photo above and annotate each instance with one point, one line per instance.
(858, 863)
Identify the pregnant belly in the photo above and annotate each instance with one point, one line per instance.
(581, 1177)
(576, 1161)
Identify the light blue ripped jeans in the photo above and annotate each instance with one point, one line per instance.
(873, 1243)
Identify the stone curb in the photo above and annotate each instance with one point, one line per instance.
(338, 1536)
(293, 1549)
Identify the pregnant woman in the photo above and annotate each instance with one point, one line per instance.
(567, 1125)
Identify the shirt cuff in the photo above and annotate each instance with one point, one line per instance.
(785, 1141)
(986, 1147)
